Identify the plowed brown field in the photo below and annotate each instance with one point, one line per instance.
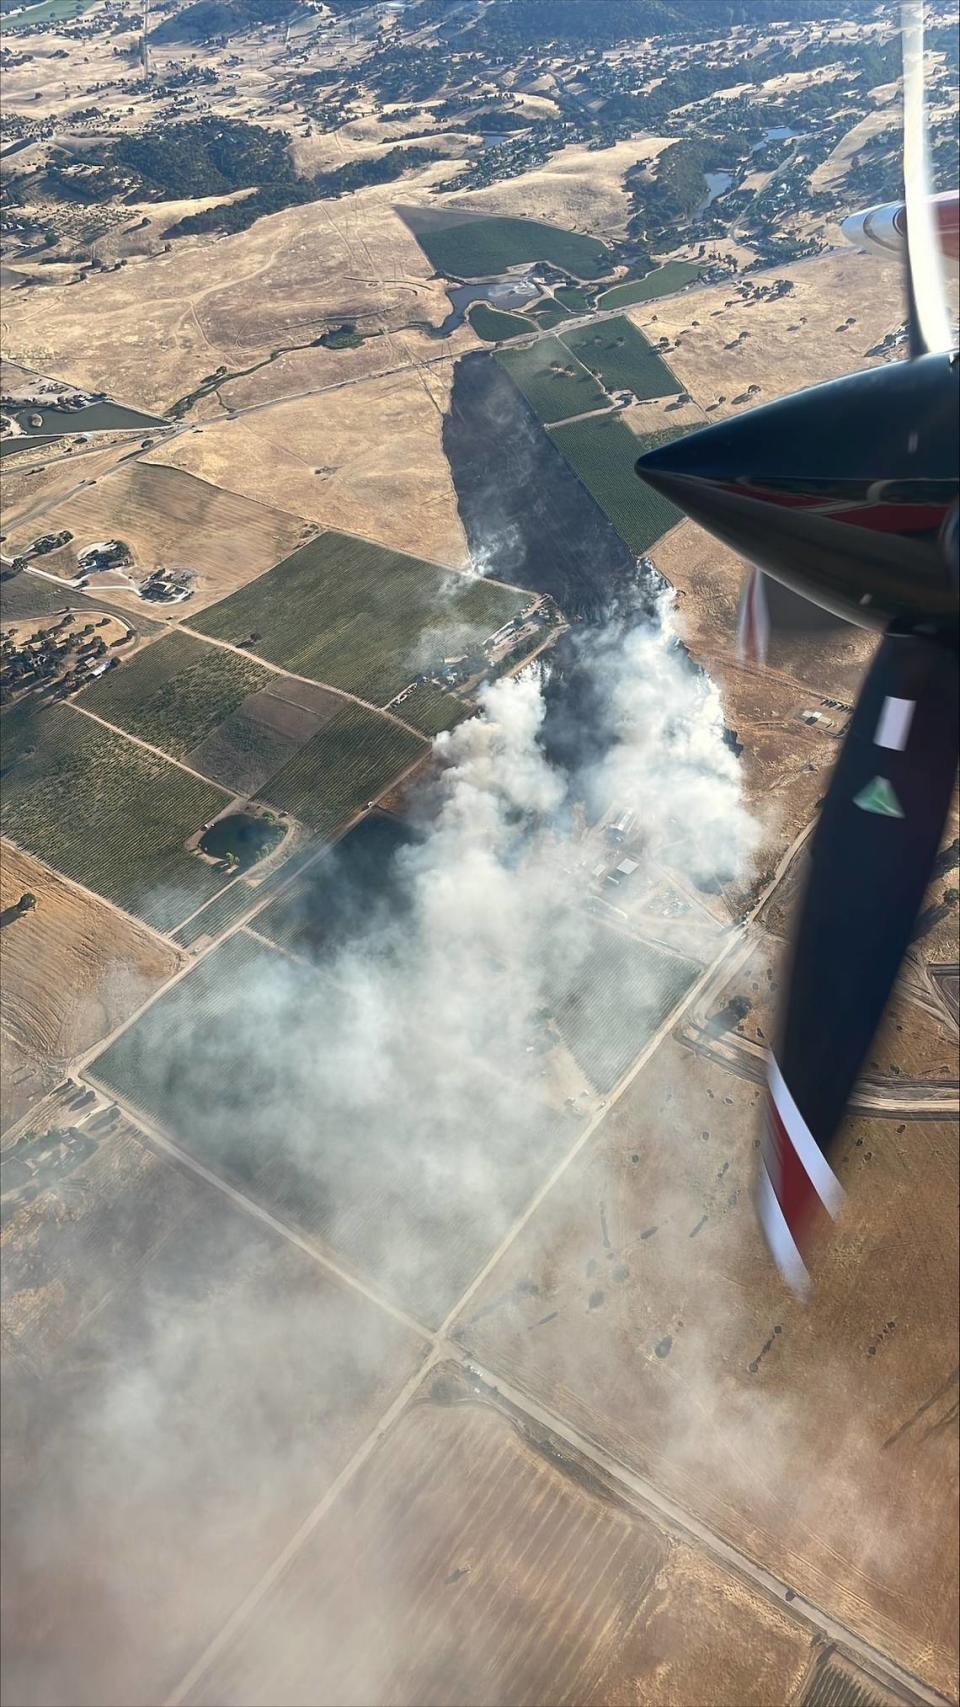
(466, 1567)
(73, 968)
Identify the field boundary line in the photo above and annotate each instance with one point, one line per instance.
(432, 562)
(158, 753)
(178, 430)
(204, 904)
(193, 958)
(320, 390)
(311, 681)
(441, 1344)
(251, 1207)
(94, 895)
(739, 935)
(653, 1043)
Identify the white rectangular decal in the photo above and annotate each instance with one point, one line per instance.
(894, 725)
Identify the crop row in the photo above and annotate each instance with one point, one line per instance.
(176, 692)
(604, 453)
(358, 616)
(476, 248)
(106, 813)
(621, 358)
(555, 384)
(349, 761)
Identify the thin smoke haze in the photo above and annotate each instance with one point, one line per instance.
(401, 1103)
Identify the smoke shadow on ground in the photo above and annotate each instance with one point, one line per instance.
(526, 516)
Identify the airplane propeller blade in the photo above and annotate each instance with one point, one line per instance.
(872, 852)
(928, 322)
(753, 619)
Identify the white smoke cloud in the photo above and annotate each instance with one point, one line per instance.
(401, 1107)
(669, 760)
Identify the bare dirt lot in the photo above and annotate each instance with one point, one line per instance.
(72, 970)
(791, 342)
(521, 1583)
(173, 520)
(367, 458)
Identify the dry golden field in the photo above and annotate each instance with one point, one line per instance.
(577, 187)
(365, 138)
(318, 369)
(916, 1044)
(467, 1564)
(660, 414)
(827, 658)
(867, 130)
(665, 1335)
(150, 333)
(34, 483)
(366, 458)
(792, 342)
(174, 520)
(40, 86)
(72, 969)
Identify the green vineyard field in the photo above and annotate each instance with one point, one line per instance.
(604, 454)
(622, 359)
(475, 248)
(348, 762)
(493, 326)
(360, 617)
(176, 692)
(106, 813)
(661, 282)
(553, 382)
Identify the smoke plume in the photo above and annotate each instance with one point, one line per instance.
(395, 1100)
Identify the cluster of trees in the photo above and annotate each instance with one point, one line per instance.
(679, 187)
(295, 192)
(418, 73)
(205, 157)
(207, 19)
(521, 25)
(97, 183)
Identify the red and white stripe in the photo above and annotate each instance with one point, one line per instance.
(753, 622)
(795, 1179)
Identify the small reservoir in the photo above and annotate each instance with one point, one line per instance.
(242, 835)
(506, 293)
(41, 420)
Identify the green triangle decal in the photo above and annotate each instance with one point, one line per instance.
(878, 796)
